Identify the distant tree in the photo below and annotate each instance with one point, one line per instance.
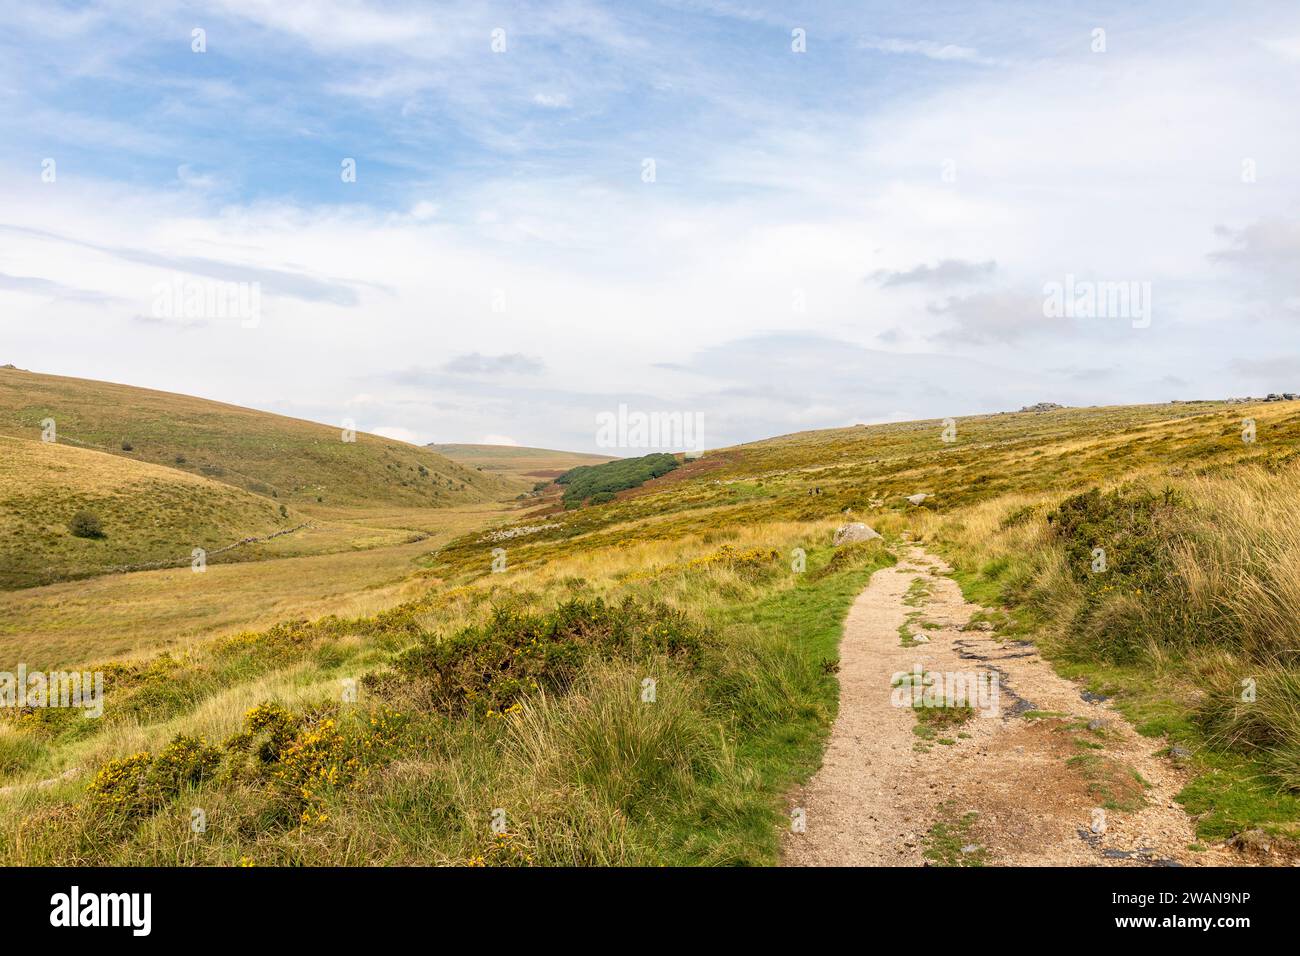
(85, 524)
(585, 481)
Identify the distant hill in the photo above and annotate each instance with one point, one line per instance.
(149, 515)
(296, 462)
(524, 465)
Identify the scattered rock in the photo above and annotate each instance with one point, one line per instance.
(1179, 752)
(1248, 840)
(1042, 407)
(854, 533)
(1098, 724)
(917, 498)
(977, 626)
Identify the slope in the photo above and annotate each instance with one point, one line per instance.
(297, 462)
(148, 514)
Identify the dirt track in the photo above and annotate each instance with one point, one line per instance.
(1016, 787)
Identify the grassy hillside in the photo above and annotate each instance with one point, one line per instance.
(527, 465)
(342, 571)
(148, 514)
(515, 677)
(297, 463)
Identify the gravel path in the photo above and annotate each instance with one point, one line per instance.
(1011, 786)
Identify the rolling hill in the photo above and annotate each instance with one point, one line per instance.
(527, 466)
(296, 462)
(150, 515)
(515, 671)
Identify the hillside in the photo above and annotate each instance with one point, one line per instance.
(296, 462)
(149, 514)
(527, 465)
(517, 670)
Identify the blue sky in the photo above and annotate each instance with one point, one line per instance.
(858, 232)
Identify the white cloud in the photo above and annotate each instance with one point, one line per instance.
(927, 48)
(574, 283)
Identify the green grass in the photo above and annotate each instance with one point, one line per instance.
(949, 841)
(589, 771)
(1113, 785)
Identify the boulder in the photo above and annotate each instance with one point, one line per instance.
(854, 533)
(917, 498)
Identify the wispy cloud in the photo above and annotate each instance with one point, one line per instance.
(511, 363)
(502, 265)
(947, 272)
(927, 48)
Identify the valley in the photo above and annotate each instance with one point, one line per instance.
(656, 674)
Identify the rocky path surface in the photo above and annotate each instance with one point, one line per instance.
(1044, 777)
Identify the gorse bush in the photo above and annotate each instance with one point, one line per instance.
(138, 785)
(486, 669)
(1134, 527)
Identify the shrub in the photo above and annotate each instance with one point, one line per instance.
(85, 524)
(127, 446)
(1134, 527)
(486, 669)
(137, 785)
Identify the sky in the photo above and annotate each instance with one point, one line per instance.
(497, 222)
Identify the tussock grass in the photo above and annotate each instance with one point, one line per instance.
(1192, 625)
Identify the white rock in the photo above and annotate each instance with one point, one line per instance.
(854, 533)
